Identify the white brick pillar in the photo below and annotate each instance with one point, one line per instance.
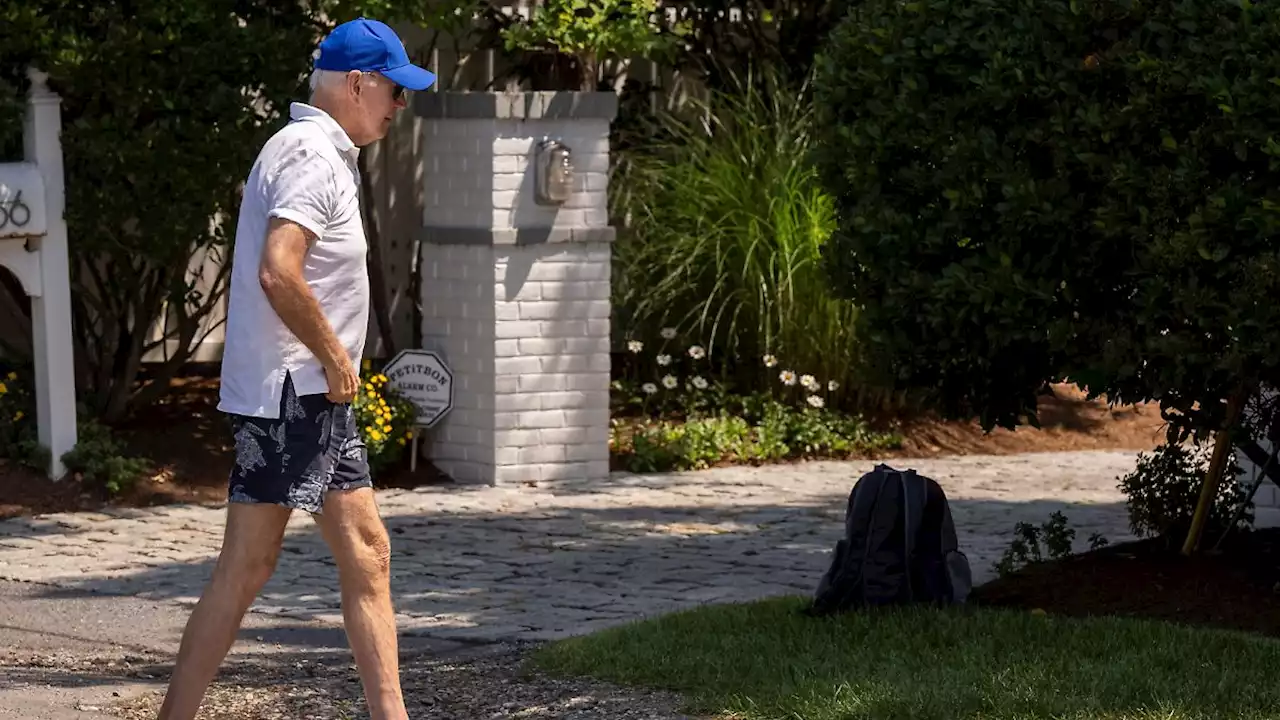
(516, 294)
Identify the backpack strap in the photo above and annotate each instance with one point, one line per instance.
(913, 502)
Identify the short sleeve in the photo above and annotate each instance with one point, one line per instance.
(303, 190)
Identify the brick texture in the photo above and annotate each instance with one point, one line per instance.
(525, 328)
(477, 173)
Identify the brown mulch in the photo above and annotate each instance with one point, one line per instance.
(186, 439)
(1235, 588)
(1068, 422)
(189, 446)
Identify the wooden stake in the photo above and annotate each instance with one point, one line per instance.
(1213, 478)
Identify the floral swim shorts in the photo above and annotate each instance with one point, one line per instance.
(293, 460)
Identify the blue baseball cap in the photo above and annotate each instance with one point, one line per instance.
(371, 46)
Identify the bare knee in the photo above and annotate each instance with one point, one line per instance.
(365, 558)
(373, 549)
(358, 539)
(243, 572)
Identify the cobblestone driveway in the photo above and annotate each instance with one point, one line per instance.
(538, 563)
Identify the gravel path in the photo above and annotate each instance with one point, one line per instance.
(538, 563)
(486, 684)
(499, 568)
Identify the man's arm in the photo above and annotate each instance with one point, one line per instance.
(280, 274)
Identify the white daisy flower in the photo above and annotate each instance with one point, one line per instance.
(787, 377)
(697, 352)
(670, 382)
(809, 382)
(649, 388)
(668, 333)
(664, 360)
(635, 346)
(831, 386)
(770, 361)
(699, 382)
(816, 401)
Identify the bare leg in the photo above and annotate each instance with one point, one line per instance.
(356, 536)
(250, 548)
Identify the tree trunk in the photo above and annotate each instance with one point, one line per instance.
(1222, 447)
(377, 279)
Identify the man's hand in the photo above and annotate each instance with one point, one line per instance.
(344, 382)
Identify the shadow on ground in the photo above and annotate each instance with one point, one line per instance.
(546, 573)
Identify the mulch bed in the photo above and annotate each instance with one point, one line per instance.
(1236, 588)
(190, 447)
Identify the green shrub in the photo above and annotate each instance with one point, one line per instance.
(100, 460)
(165, 104)
(586, 33)
(751, 430)
(19, 442)
(1053, 540)
(724, 235)
(384, 418)
(1163, 490)
(1035, 190)
(691, 445)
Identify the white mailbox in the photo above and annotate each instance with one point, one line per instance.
(33, 246)
(22, 211)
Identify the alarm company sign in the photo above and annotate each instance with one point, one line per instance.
(425, 380)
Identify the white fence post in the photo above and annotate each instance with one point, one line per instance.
(33, 244)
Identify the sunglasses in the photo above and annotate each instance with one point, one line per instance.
(397, 90)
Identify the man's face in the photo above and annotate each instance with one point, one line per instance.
(378, 99)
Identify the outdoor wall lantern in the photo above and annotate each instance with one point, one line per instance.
(554, 182)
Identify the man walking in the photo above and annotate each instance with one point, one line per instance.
(297, 318)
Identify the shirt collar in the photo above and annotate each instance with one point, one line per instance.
(302, 112)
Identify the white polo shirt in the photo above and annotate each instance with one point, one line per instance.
(305, 173)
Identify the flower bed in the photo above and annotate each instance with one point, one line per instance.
(672, 410)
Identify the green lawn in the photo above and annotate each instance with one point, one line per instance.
(765, 661)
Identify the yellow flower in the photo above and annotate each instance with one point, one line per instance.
(12, 376)
(409, 434)
(401, 441)
(18, 416)
(386, 429)
(375, 436)
(368, 428)
(369, 387)
(3, 389)
(381, 378)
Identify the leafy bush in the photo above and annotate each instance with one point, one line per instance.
(587, 32)
(18, 436)
(761, 430)
(781, 433)
(1035, 190)
(724, 235)
(691, 445)
(384, 418)
(671, 413)
(1165, 486)
(1053, 540)
(165, 105)
(100, 462)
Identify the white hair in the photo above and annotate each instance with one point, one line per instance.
(323, 78)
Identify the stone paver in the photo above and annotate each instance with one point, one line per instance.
(485, 563)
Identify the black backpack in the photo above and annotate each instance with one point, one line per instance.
(899, 547)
